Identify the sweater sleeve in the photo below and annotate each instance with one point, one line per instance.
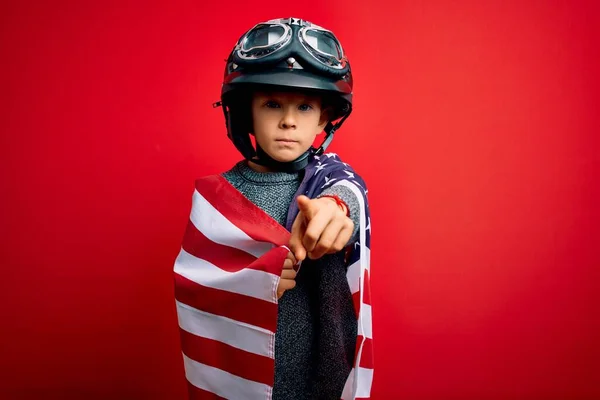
(348, 197)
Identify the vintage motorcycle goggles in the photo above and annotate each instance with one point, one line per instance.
(290, 38)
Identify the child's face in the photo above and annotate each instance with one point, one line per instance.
(286, 123)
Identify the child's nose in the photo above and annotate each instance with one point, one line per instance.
(288, 120)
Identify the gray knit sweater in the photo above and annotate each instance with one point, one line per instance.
(316, 326)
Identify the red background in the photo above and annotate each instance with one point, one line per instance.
(475, 126)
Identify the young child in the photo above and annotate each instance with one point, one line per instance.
(254, 325)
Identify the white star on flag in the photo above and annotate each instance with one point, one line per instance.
(329, 155)
(368, 228)
(328, 182)
(319, 168)
(350, 174)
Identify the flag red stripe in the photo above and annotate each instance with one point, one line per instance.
(225, 257)
(235, 306)
(271, 261)
(367, 288)
(196, 393)
(227, 358)
(240, 211)
(366, 357)
(356, 302)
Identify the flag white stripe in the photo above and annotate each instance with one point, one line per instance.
(365, 381)
(355, 271)
(360, 379)
(353, 274)
(349, 386)
(206, 219)
(353, 277)
(250, 338)
(365, 329)
(363, 233)
(249, 282)
(223, 383)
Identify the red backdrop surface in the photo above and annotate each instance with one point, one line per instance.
(475, 126)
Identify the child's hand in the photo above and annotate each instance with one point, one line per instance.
(288, 275)
(321, 227)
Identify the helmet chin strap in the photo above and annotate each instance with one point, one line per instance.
(262, 158)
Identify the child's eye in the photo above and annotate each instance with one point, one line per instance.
(272, 104)
(305, 107)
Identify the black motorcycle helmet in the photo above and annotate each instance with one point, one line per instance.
(284, 54)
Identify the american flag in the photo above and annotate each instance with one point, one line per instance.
(226, 278)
